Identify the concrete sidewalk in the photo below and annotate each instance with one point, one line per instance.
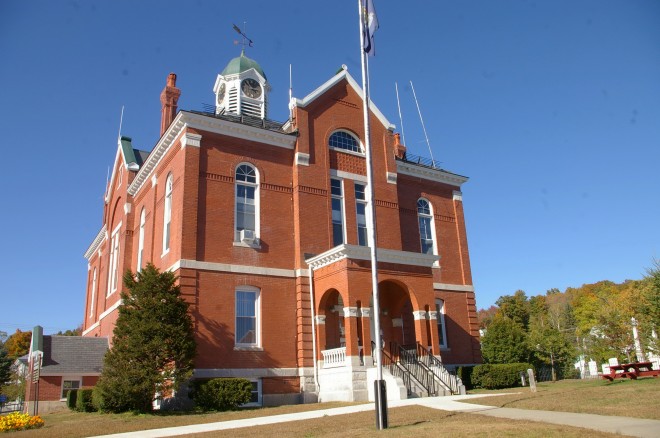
(636, 427)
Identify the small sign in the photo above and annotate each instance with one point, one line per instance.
(3, 399)
(36, 368)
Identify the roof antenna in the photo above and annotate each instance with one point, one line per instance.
(290, 92)
(428, 143)
(403, 135)
(121, 120)
(246, 41)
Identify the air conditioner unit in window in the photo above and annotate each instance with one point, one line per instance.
(248, 236)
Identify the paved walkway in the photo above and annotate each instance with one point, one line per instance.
(636, 427)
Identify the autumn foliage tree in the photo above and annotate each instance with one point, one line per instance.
(153, 344)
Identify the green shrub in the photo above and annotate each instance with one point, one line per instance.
(465, 374)
(84, 401)
(221, 394)
(97, 400)
(496, 376)
(71, 398)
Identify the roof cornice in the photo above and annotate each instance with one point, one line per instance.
(364, 253)
(437, 175)
(185, 120)
(100, 237)
(343, 74)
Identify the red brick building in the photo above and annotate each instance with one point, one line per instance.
(264, 223)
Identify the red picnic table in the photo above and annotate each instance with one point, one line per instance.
(631, 370)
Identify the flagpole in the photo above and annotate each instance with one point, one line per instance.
(380, 395)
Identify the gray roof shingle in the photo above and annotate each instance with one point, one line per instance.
(73, 354)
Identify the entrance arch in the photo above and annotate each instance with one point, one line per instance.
(397, 319)
(331, 307)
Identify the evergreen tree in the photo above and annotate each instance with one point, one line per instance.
(153, 344)
(5, 367)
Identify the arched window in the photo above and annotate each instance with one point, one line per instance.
(426, 229)
(93, 294)
(247, 203)
(344, 140)
(167, 214)
(143, 219)
(113, 261)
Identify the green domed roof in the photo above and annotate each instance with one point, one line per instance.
(240, 64)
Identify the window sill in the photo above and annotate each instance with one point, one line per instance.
(242, 244)
(247, 348)
(165, 253)
(346, 151)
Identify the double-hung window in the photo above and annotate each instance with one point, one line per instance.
(361, 210)
(247, 317)
(143, 220)
(69, 384)
(247, 205)
(337, 200)
(167, 215)
(426, 232)
(442, 330)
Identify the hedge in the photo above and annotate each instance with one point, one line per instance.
(71, 398)
(496, 376)
(84, 402)
(465, 374)
(221, 394)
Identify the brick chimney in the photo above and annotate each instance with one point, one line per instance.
(399, 149)
(168, 99)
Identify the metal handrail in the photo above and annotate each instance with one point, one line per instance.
(418, 371)
(437, 368)
(393, 367)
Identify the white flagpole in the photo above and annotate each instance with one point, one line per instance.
(381, 402)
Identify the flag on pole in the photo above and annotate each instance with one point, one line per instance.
(370, 26)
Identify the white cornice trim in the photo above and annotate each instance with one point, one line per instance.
(91, 327)
(454, 287)
(238, 130)
(344, 74)
(236, 269)
(100, 237)
(437, 175)
(364, 253)
(185, 120)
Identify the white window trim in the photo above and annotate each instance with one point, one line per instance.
(433, 232)
(93, 293)
(257, 316)
(257, 203)
(113, 261)
(441, 318)
(143, 220)
(69, 379)
(259, 401)
(343, 210)
(167, 213)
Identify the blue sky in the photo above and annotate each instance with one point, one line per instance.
(552, 108)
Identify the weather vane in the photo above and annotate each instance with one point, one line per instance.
(246, 41)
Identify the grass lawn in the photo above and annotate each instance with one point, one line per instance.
(407, 421)
(623, 397)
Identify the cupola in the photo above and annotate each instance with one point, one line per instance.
(242, 89)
